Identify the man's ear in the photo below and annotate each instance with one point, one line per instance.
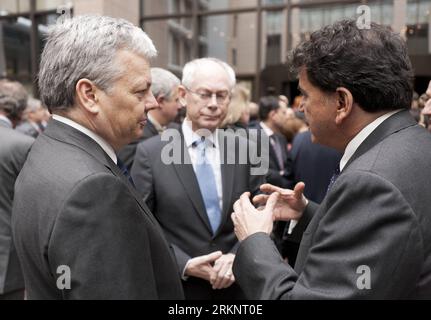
(160, 99)
(344, 101)
(182, 95)
(87, 95)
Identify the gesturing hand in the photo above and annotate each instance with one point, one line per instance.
(249, 220)
(290, 204)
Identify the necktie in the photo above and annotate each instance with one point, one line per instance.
(278, 152)
(207, 185)
(334, 178)
(124, 171)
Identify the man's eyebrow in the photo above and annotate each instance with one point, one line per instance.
(301, 90)
(141, 84)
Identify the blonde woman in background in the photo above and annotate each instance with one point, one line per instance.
(238, 114)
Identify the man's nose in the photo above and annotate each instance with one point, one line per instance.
(213, 101)
(151, 103)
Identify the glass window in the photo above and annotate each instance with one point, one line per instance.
(228, 4)
(14, 6)
(418, 11)
(173, 42)
(273, 2)
(42, 5)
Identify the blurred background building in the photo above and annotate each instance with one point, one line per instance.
(253, 36)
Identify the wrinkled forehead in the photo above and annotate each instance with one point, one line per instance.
(134, 69)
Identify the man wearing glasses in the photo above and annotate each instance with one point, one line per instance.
(193, 198)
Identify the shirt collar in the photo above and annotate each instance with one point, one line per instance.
(6, 120)
(156, 124)
(361, 136)
(266, 129)
(98, 139)
(190, 136)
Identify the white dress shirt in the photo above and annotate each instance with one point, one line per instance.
(212, 154)
(266, 129)
(353, 145)
(98, 139)
(361, 136)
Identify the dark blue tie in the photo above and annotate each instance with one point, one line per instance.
(124, 171)
(334, 178)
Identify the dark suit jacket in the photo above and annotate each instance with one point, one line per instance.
(173, 194)
(274, 177)
(313, 164)
(374, 223)
(26, 128)
(73, 207)
(14, 147)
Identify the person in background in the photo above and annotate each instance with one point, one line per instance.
(192, 194)
(33, 118)
(14, 147)
(238, 113)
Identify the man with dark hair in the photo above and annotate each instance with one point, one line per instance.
(371, 236)
(273, 114)
(14, 148)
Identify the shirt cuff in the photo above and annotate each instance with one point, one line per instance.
(183, 274)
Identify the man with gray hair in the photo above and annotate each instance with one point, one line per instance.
(13, 111)
(80, 228)
(165, 89)
(33, 117)
(192, 197)
(14, 148)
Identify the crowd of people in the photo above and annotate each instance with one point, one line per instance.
(126, 182)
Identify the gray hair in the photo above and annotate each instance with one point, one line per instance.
(85, 47)
(163, 81)
(33, 105)
(194, 66)
(13, 99)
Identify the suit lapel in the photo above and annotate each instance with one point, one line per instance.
(187, 177)
(227, 176)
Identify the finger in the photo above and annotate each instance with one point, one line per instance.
(223, 276)
(269, 188)
(209, 257)
(234, 218)
(272, 201)
(298, 191)
(218, 264)
(237, 207)
(245, 202)
(260, 199)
